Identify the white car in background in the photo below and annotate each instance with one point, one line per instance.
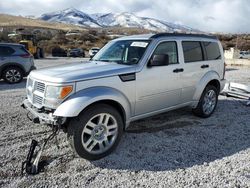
(244, 55)
(93, 51)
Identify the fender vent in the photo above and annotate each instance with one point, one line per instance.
(127, 77)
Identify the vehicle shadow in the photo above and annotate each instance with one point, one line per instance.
(6, 86)
(231, 69)
(177, 140)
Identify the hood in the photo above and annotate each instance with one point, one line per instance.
(81, 71)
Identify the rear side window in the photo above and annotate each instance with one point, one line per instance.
(212, 50)
(23, 50)
(6, 51)
(169, 48)
(192, 51)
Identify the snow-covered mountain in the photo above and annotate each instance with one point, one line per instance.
(70, 16)
(74, 16)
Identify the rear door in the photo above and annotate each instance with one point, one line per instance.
(199, 58)
(195, 68)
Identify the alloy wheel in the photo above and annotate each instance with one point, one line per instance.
(100, 133)
(209, 102)
(13, 75)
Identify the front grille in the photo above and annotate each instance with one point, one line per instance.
(40, 87)
(37, 99)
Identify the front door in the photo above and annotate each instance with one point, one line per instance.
(5, 55)
(159, 87)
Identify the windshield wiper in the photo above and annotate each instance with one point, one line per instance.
(114, 61)
(104, 60)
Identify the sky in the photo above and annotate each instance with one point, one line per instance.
(228, 16)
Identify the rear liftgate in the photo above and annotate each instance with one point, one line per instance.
(32, 165)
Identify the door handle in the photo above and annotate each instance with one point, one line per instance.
(178, 70)
(204, 66)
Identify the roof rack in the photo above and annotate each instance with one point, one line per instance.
(182, 35)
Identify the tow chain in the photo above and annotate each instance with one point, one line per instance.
(32, 164)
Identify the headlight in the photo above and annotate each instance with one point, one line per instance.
(55, 94)
(58, 92)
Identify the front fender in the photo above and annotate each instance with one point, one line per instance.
(80, 100)
(212, 75)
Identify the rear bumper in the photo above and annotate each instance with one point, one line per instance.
(75, 55)
(39, 117)
(31, 69)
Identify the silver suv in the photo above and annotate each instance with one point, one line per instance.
(15, 62)
(130, 78)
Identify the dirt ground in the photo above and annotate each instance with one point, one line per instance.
(174, 149)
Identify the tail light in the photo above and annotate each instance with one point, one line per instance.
(26, 55)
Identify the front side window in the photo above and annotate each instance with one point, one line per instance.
(192, 51)
(212, 50)
(6, 51)
(168, 48)
(123, 51)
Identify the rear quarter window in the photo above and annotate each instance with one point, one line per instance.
(212, 50)
(192, 51)
(23, 50)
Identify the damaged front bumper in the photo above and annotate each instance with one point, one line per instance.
(39, 116)
(32, 164)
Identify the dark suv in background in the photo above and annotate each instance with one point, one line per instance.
(15, 62)
(76, 52)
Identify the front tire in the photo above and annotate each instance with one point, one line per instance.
(96, 132)
(207, 103)
(13, 75)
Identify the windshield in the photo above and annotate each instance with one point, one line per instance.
(122, 51)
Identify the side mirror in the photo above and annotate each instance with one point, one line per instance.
(159, 60)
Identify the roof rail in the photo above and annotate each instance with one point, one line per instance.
(158, 35)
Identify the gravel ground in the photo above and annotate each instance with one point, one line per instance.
(174, 149)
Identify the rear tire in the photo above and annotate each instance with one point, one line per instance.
(37, 54)
(96, 132)
(12, 75)
(207, 103)
(41, 53)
